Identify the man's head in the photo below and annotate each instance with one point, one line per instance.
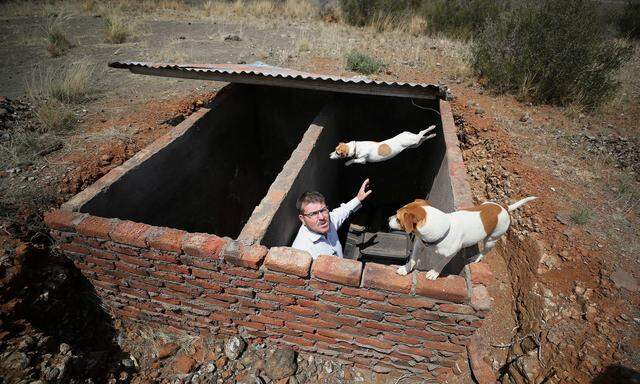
(313, 212)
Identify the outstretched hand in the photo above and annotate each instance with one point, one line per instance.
(363, 193)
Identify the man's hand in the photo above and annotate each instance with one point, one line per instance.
(363, 193)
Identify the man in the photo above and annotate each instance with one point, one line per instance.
(318, 233)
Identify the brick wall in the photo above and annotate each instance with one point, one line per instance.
(365, 315)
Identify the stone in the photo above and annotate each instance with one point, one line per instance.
(183, 364)
(288, 260)
(280, 363)
(166, 350)
(65, 348)
(231, 37)
(481, 370)
(479, 111)
(233, 347)
(623, 279)
(525, 117)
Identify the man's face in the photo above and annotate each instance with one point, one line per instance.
(316, 217)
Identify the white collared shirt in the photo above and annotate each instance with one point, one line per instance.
(317, 244)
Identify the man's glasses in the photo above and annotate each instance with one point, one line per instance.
(313, 214)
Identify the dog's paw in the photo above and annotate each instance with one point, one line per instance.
(402, 271)
(432, 275)
(476, 258)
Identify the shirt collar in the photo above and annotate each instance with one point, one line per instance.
(311, 235)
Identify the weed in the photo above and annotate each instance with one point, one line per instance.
(24, 147)
(54, 116)
(555, 52)
(581, 216)
(57, 42)
(359, 62)
(118, 29)
(70, 83)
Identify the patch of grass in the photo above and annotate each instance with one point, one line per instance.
(54, 116)
(359, 62)
(57, 42)
(552, 52)
(25, 147)
(581, 216)
(629, 20)
(70, 83)
(459, 18)
(118, 28)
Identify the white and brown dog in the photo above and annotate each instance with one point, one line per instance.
(373, 151)
(450, 232)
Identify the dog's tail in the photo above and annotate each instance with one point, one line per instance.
(520, 203)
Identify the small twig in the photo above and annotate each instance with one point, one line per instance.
(426, 108)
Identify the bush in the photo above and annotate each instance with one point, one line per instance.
(57, 42)
(118, 29)
(629, 21)
(361, 63)
(364, 12)
(551, 51)
(460, 18)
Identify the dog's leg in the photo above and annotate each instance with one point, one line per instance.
(350, 162)
(432, 274)
(407, 268)
(487, 245)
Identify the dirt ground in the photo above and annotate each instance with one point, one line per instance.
(566, 287)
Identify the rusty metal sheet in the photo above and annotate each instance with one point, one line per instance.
(263, 74)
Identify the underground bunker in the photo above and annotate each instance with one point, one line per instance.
(237, 169)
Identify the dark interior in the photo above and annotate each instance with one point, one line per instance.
(211, 178)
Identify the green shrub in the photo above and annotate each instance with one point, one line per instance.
(459, 18)
(629, 21)
(363, 12)
(361, 63)
(551, 51)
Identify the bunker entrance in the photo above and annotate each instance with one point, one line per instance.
(211, 177)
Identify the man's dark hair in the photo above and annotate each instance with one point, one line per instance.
(309, 197)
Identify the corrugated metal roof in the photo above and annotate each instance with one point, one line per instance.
(260, 73)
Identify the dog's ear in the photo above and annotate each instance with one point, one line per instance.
(409, 222)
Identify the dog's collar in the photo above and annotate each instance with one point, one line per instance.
(437, 241)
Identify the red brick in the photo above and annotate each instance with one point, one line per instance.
(318, 337)
(444, 346)
(337, 270)
(364, 293)
(295, 291)
(105, 285)
(75, 248)
(318, 305)
(266, 320)
(223, 296)
(279, 315)
(317, 323)
(299, 326)
(121, 248)
(195, 262)
(142, 285)
(480, 273)
(341, 300)
(288, 260)
(413, 302)
(289, 280)
(358, 331)
(373, 343)
(62, 220)
(251, 324)
(407, 322)
(131, 233)
(426, 315)
(381, 326)
(91, 242)
(95, 226)
(386, 308)
(425, 334)
(204, 274)
(254, 284)
(202, 245)
(363, 314)
(401, 339)
(302, 311)
(414, 351)
(247, 257)
(215, 302)
(160, 256)
(134, 292)
(166, 239)
(167, 276)
(240, 292)
(456, 330)
(103, 263)
(193, 291)
(298, 341)
(166, 299)
(258, 304)
(455, 308)
(286, 300)
(335, 334)
(323, 285)
(242, 272)
(135, 260)
(103, 254)
(206, 284)
(174, 268)
(385, 277)
(450, 288)
(338, 319)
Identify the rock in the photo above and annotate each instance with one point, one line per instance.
(127, 363)
(623, 279)
(525, 117)
(166, 350)
(183, 364)
(65, 348)
(231, 37)
(481, 370)
(528, 368)
(381, 369)
(280, 363)
(16, 361)
(233, 347)
(479, 111)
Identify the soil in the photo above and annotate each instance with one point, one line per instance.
(566, 289)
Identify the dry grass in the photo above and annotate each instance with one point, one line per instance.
(118, 29)
(57, 42)
(70, 83)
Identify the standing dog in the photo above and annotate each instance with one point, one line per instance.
(373, 152)
(450, 232)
